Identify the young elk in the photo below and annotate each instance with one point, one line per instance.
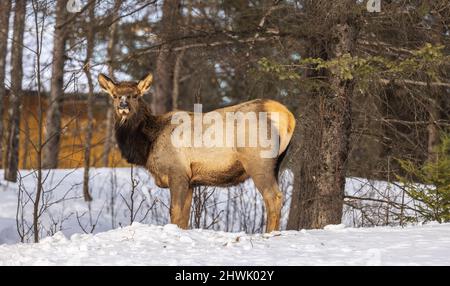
(215, 160)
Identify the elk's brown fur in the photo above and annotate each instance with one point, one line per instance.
(145, 140)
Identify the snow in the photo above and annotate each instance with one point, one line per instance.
(235, 209)
(334, 226)
(228, 231)
(141, 244)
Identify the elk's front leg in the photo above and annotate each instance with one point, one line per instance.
(180, 196)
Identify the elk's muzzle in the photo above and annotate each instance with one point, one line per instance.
(123, 106)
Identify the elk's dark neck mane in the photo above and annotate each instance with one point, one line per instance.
(137, 135)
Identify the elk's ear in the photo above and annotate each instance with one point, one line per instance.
(106, 83)
(144, 84)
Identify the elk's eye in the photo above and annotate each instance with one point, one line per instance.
(128, 97)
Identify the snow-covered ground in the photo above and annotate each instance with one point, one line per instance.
(63, 209)
(234, 209)
(141, 244)
(130, 226)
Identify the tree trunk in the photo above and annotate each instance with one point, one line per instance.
(39, 184)
(165, 63)
(318, 193)
(176, 79)
(53, 124)
(434, 105)
(12, 149)
(434, 114)
(109, 140)
(5, 9)
(26, 141)
(90, 38)
(335, 126)
(304, 153)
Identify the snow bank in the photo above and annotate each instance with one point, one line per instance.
(234, 209)
(141, 244)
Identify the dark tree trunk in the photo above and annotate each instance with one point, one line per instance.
(435, 101)
(318, 193)
(109, 140)
(53, 124)
(5, 9)
(434, 114)
(176, 80)
(335, 126)
(304, 153)
(12, 149)
(165, 63)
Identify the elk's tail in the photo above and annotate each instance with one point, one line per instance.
(281, 162)
(285, 124)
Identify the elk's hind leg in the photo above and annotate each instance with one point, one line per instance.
(273, 200)
(266, 183)
(187, 208)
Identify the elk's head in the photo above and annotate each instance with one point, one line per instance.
(126, 95)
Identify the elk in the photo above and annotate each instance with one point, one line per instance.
(146, 140)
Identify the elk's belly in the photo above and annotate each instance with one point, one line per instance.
(220, 174)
